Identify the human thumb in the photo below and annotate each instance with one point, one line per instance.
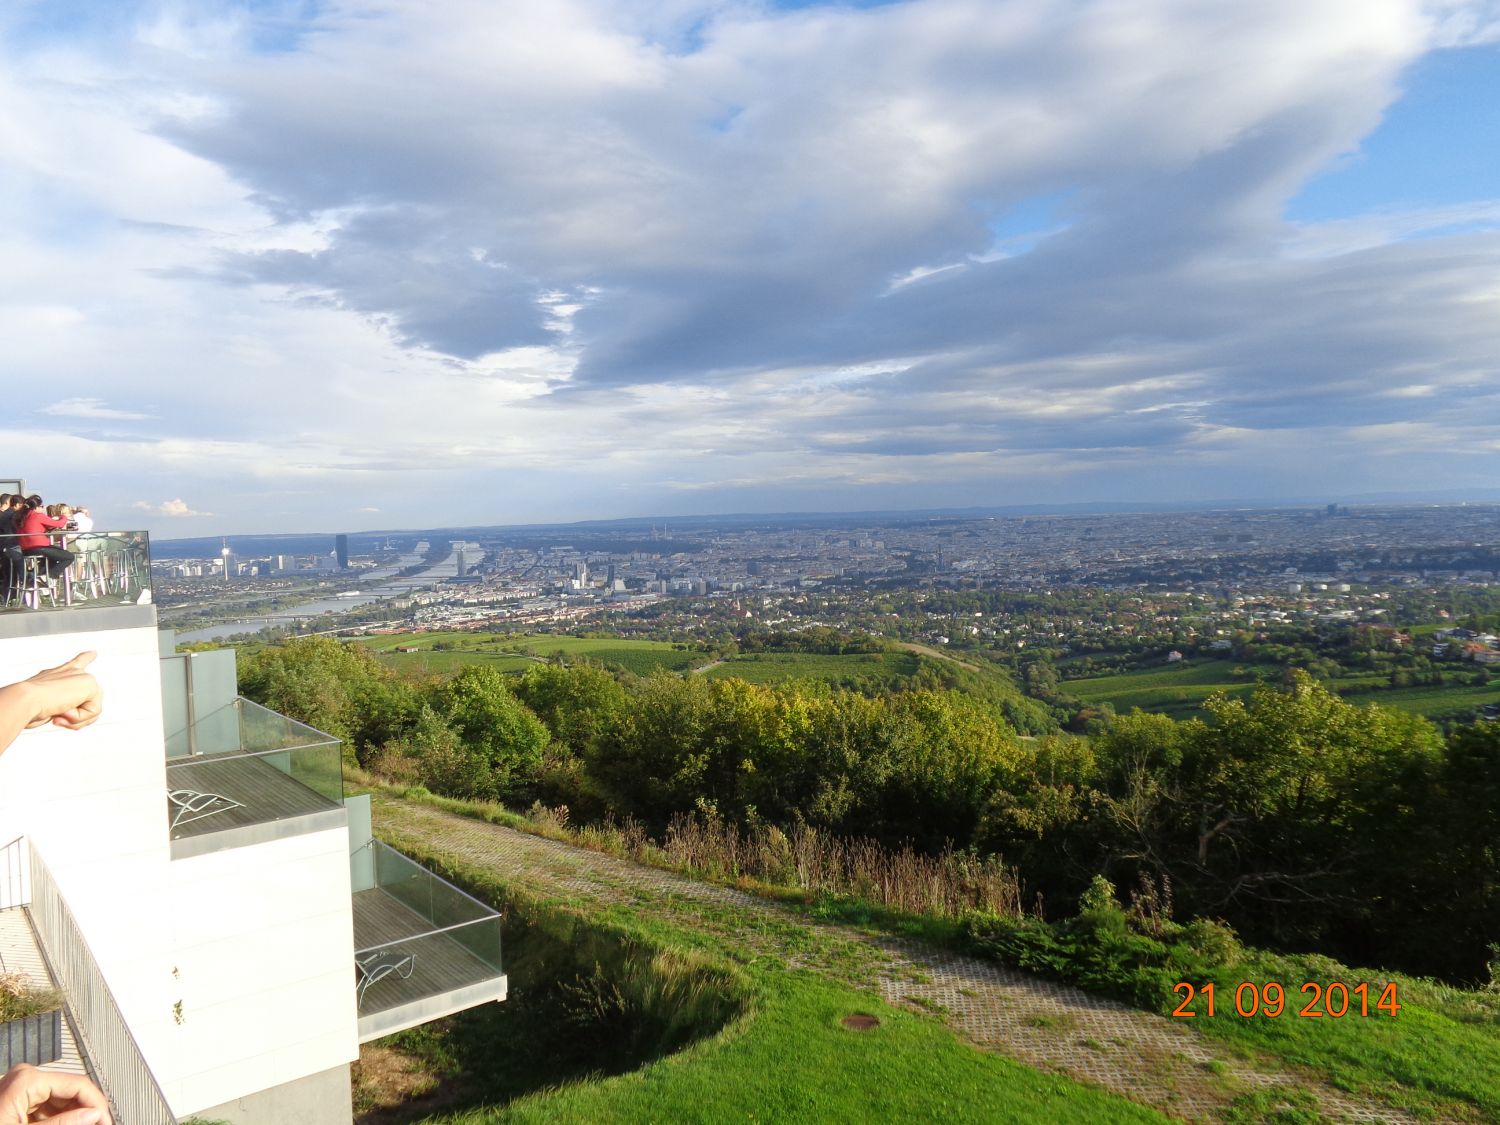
(81, 1117)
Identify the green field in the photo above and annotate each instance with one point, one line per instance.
(1174, 689)
(1431, 701)
(1180, 689)
(887, 668)
(513, 652)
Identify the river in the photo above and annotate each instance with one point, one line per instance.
(384, 586)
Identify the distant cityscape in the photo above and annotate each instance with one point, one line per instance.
(1333, 559)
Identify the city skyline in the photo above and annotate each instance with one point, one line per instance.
(287, 265)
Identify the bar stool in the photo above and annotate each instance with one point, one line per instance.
(88, 572)
(10, 586)
(34, 584)
(128, 574)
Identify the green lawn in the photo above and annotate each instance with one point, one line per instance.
(794, 1062)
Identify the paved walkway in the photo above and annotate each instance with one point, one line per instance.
(1150, 1059)
(20, 953)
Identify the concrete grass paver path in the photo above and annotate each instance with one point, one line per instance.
(1153, 1060)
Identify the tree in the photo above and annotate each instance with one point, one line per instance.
(494, 725)
(338, 688)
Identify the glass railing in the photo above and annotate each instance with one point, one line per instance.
(76, 569)
(416, 936)
(246, 764)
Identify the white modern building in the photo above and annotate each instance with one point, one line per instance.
(221, 923)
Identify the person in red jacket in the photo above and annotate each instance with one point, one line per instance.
(34, 525)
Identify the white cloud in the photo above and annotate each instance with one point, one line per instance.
(172, 509)
(91, 408)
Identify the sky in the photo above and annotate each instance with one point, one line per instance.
(312, 265)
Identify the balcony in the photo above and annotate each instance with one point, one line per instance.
(109, 568)
(422, 947)
(243, 774)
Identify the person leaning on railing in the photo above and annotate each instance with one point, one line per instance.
(69, 697)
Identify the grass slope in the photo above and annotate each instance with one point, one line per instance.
(789, 1058)
(1437, 1057)
(794, 1062)
(1442, 1046)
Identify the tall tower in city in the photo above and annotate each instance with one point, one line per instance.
(341, 550)
(458, 558)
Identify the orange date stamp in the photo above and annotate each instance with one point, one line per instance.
(1333, 1000)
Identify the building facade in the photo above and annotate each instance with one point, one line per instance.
(223, 926)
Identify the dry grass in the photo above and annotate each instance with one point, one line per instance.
(944, 885)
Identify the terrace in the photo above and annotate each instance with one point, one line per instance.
(243, 774)
(422, 947)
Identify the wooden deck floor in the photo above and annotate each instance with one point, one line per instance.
(440, 963)
(264, 793)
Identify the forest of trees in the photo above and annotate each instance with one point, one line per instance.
(1304, 821)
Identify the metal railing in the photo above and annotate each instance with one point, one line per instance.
(123, 1075)
(15, 874)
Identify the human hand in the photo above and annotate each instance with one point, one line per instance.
(66, 696)
(28, 1094)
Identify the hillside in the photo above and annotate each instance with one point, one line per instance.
(954, 1038)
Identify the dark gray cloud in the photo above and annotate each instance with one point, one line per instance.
(438, 290)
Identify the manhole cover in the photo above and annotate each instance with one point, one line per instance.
(859, 1021)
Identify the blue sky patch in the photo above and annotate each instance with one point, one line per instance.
(1439, 144)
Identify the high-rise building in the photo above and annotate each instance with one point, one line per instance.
(458, 563)
(341, 550)
(225, 930)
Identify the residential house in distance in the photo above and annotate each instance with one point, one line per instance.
(223, 927)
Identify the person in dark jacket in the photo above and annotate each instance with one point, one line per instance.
(10, 547)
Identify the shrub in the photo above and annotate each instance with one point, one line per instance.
(1100, 951)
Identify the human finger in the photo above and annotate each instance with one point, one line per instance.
(76, 719)
(77, 1117)
(69, 1099)
(76, 664)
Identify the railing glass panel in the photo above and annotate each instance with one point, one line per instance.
(249, 765)
(417, 936)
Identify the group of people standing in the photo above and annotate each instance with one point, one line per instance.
(30, 528)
